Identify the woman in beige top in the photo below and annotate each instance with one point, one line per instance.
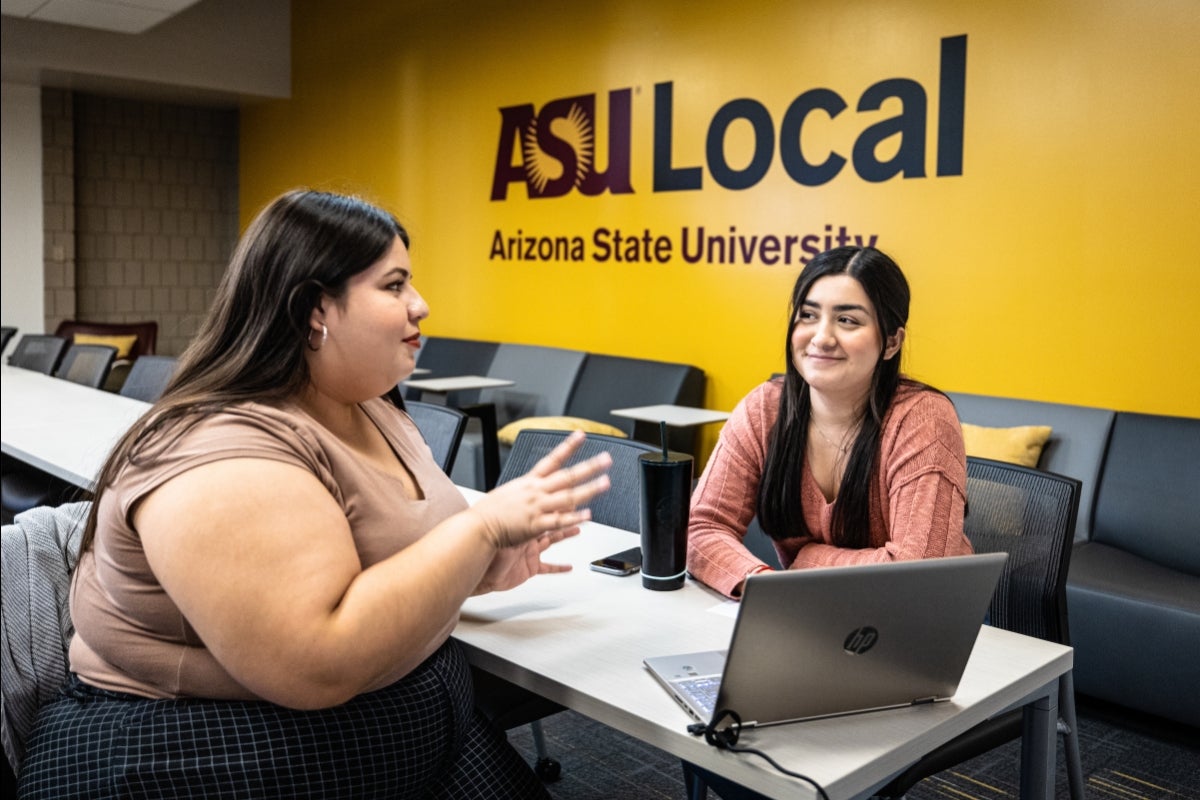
(274, 563)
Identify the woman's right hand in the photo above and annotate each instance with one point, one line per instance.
(545, 499)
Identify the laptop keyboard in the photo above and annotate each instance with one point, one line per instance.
(702, 691)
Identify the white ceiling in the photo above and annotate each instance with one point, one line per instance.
(121, 16)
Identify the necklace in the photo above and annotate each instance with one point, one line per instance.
(842, 448)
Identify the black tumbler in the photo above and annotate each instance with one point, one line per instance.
(666, 496)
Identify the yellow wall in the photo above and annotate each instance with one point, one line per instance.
(1062, 264)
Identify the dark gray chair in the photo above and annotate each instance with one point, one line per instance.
(506, 704)
(760, 544)
(442, 429)
(1029, 514)
(146, 333)
(87, 364)
(6, 334)
(544, 378)
(148, 377)
(608, 382)
(38, 352)
(616, 508)
(133, 340)
(1076, 445)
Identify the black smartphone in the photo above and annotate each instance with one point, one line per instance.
(625, 562)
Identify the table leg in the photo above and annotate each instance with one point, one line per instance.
(486, 414)
(1039, 742)
(681, 440)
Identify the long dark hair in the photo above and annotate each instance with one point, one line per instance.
(779, 506)
(251, 344)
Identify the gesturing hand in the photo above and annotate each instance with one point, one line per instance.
(512, 566)
(547, 498)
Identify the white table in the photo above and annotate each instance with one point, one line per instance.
(648, 419)
(579, 639)
(458, 383)
(675, 416)
(61, 427)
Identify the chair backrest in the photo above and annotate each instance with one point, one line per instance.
(442, 428)
(87, 364)
(1029, 514)
(544, 376)
(1146, 499)
(146, 333)
(6, 333)
(446, 357)
(608, 382)
(620, 506)
(38, 352)
(148, 377)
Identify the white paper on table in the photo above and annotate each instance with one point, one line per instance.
(729, 608)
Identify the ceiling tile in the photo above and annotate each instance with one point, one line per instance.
(122, 17)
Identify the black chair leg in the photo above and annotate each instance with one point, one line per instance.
(546, 768)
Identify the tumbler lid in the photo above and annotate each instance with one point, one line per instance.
(670, 458)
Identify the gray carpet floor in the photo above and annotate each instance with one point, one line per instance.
(1125, 757)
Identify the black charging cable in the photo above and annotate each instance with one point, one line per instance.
(726, 739)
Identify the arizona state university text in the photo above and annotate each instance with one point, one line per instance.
(694, 245)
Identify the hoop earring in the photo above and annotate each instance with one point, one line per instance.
(324, 336)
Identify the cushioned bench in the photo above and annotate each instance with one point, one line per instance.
(1133, 589)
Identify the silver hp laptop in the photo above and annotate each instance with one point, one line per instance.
(840, 640)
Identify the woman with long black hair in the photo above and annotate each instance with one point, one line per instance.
(843, 459)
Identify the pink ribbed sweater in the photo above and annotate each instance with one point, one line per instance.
(917, 511)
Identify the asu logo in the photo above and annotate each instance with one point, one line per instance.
(558, 153)
(558, 147)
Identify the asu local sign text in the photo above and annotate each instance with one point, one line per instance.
(552, 152)
(558, 158)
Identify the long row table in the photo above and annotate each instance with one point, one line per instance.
(579, 638)
(61, 427)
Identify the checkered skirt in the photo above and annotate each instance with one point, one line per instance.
(418, 738)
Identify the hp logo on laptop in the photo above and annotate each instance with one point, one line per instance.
(860, 640)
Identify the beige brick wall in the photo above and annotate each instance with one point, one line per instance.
(58, 205)
(151, 214)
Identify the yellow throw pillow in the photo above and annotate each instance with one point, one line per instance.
(1021, 445)
(123, 343)
(508, 434)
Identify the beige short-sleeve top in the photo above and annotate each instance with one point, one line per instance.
(131, 637)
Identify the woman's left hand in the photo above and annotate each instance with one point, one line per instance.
(512, 566)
